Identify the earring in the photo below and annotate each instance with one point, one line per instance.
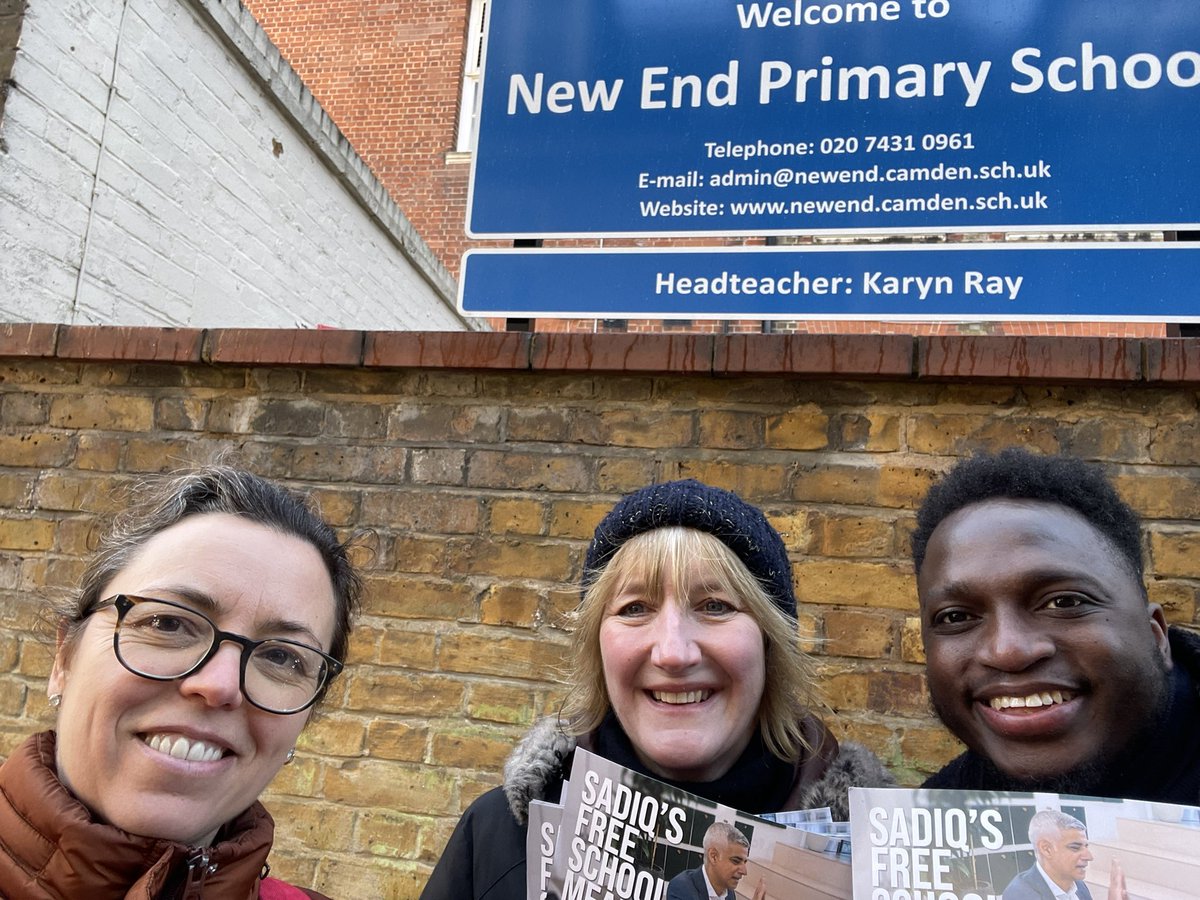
(291, 754)
(55, 699)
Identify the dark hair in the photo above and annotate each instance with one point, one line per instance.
(166, 501)
(1017, 474)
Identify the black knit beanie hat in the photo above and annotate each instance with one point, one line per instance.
(726, 516)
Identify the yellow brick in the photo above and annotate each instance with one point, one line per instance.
(731, 430)
(960, 435)
(852, 633)
(401, 693)
(905, 488)
(77, 535)
(409, 649)
(527, 471)
(805, 428)
(37, 658)
(34, 450)
(911, 648)
(12, 697)
(338, 507)
(1178, 599)
(423, 511)
(26, 534)
(875, 585)
(313, 824)
(98, 453)
(414, 554)
(509, 605)
(511, 558)
(649, 428)
(1169, 495)
(384, 833)
(1174, 552)
(80, 493)
(839, 535)
(831, 483)
(874, 432)
(333, 736)
(751, 482)
(621, 475)
(300, 779)
(470, 749)
(369, 782)
(382, 879)
(10, 649)
(516, 517)
(793, 527)
(493, 701)
(364, 644)
(506, 656)
(898, 693)
(405, 597)
(397, 740)
(846, 691)
(576, 518)
(112, 413)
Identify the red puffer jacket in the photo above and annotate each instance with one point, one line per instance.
(51, 848)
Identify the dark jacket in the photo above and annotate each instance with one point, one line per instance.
(1030, 885)
(485, 857)
(52, 849)
(689, 885)
(1173, 744)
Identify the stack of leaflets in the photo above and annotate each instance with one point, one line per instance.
(621, 835)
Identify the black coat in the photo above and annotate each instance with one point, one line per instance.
(485, 857)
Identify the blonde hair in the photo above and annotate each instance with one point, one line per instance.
(656, 560)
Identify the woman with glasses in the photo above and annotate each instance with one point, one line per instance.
(210, 621)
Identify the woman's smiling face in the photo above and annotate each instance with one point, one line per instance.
(685, 669)
(178, 759)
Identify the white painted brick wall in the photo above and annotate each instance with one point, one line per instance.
(166, 204)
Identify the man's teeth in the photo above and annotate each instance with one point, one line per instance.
(178, 746)
(1045, 698)
(685, 697)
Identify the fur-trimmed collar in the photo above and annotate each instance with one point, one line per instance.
(534, 770)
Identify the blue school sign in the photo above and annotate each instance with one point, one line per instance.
(637, 117)
(1126, 282)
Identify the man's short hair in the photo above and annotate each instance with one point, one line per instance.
(1017, 474)
(1050, 823)
(721, 833)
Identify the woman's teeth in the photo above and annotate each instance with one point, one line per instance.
(680, 698)
(178, 746)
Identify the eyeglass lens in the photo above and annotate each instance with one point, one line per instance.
(166, 641)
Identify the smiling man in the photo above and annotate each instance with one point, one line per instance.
(1060, 848)
(726, 852)
(1044, 655)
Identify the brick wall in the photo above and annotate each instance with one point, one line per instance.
(482, 462)
(163, 166)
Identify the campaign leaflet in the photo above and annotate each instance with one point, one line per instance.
(539, 847)
(621, 835)
(915, 844)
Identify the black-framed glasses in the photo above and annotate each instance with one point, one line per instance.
(165, 641)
